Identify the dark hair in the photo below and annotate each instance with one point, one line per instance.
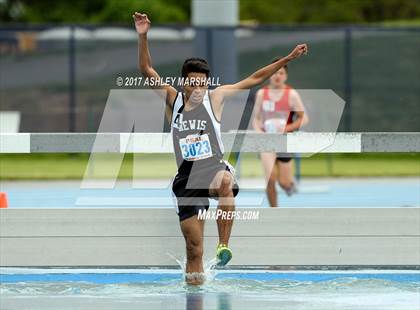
(195, 65)
(277, 59)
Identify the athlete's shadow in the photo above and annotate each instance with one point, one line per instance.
(195, 301)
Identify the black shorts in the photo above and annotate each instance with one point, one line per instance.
(284, 157)
(192, 191)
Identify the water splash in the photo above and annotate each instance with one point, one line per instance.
(209, 266)
(181, 264)
(209, 269)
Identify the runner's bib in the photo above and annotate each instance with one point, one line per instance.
(195, 147)
(268, 106)
(275, 125)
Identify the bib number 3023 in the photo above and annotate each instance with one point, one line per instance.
(195, 147)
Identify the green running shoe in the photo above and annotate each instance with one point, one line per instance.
(223, 254)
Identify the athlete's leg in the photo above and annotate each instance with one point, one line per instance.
(285, 176)
(268, 161)
(222, 187)
(193, 229)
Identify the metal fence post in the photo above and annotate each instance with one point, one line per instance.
(72, 80)
(347, 78)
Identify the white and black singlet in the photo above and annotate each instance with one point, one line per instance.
(196, 135)
(199, 154)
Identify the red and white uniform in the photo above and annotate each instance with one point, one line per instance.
(276, 114)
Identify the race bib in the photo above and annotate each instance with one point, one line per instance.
(195, 147)
(268, 106)
(275, 125)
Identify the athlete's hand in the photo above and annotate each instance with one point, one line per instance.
(299, 50)
(142, 23)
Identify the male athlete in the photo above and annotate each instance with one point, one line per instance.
(278, 109)
(195, 124)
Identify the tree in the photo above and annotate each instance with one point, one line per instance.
(179, 11)
(93, 11)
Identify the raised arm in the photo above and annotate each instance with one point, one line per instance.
(142, 24)
(259, 76)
